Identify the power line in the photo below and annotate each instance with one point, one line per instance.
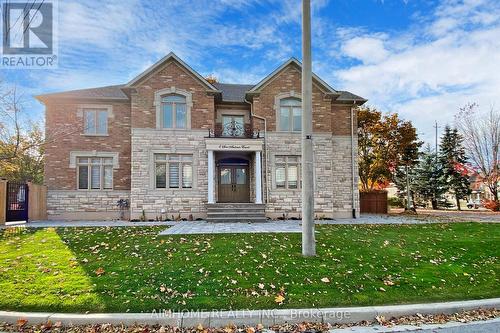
(26, 15)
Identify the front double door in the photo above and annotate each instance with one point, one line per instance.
(233, 183)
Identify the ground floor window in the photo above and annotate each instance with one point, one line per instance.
(173, 171)
(95, 173)
(287, 171)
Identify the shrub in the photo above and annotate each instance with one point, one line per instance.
(395, 202)
(491, 205)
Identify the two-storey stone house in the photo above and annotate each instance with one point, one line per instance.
(173, 143)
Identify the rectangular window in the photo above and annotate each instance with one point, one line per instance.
(287, 172)
(96, 121)
(173, 171)
(95, 173)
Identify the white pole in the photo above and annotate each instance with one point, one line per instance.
(211, 177)
(308, 241)
(258, 178)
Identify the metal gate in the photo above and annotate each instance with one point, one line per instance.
(17, 202)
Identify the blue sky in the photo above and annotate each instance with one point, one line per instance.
(423, 59)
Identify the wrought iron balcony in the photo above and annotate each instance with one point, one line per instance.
(233, 129)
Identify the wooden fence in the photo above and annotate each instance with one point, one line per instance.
(37, 201)
(373, 202)
(3, 201)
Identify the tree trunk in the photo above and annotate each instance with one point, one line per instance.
(434, 204)
(458, 202)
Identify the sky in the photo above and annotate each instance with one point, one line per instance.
(420, 58)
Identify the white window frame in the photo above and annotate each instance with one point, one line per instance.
(286, 164)
(159, 109)
(102, 165)
(277, 109)
(167, 163)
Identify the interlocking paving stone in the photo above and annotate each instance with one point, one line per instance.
(202, 227)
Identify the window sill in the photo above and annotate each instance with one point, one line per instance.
(94, 190)
(94, 135)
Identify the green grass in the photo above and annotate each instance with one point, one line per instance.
(55, 269)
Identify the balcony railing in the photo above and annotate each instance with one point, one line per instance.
(233, 129)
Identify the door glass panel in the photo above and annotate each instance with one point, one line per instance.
(241, 176)
(225, 176)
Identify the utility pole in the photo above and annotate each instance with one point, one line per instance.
(308, 239)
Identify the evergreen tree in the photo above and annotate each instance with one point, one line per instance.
(453, 160)
(429, 184)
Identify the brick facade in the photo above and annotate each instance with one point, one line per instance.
(133, 134)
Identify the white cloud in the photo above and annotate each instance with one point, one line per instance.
(427, 79)
(367, 49)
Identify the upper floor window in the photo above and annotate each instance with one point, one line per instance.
(173, 171)
(96, 121)
(290, 115)
(173, 111)
(95, 173)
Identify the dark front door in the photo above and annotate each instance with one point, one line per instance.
(17, 202)
(233, 183)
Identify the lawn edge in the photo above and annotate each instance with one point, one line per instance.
(339, 315)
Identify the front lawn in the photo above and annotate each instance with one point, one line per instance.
(133, 269)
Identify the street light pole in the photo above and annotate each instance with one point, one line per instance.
(308, 239)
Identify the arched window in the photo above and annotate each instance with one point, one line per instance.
(173, 111)
(290, 115)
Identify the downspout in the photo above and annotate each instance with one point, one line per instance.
(353, 167)
(265, 147)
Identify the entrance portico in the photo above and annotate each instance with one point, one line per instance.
(230, 164)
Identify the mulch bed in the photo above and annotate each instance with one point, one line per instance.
(416, 320)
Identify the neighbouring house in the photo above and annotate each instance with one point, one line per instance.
(173, 143)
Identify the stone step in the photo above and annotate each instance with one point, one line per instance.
(236, 219)
(236, 212)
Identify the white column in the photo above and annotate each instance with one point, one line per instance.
(258, 178)
(211, 189)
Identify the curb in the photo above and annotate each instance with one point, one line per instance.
(251, 317)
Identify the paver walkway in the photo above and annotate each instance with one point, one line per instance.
(202, 227)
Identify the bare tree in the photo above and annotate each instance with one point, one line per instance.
(10, 124)
(481, 133)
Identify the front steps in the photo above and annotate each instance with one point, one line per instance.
(236, 212)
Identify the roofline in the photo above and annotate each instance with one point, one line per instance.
(52, 97)
(292, 60)
(169, 56)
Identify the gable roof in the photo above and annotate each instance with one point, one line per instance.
(292, 61)
(106, 93)
(160, 63)
(233, 92)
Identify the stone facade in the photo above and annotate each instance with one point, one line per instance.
(144, 196)
(134, 136)
(84, 205)
(333, 189)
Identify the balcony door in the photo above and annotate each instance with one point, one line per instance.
(233, 183)
(233, 125)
